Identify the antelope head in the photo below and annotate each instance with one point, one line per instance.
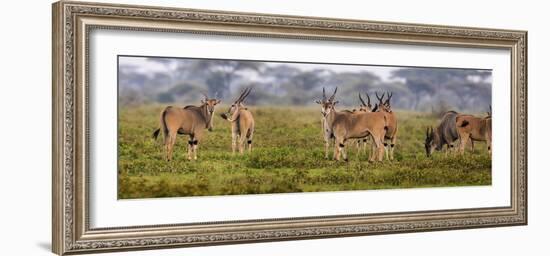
(380, 102)
(233, 112)
(429, 143)
(383, 105)
(327, 105)
(432, 141)
(387, 104)
(209, 105)
(365, 107)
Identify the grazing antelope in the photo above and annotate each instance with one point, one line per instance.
(325, 128)
(345, 126)
(445, 134)
(190, 120)
(474, 128)
(242, 123)
(391, 132)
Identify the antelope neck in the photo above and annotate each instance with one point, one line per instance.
(206, 115)
(330, 116)
(437, 139)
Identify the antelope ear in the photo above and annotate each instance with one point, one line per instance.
(218, 101)
(318, 101)
(202, 101)
(336, 102)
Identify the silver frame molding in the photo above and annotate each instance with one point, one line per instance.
(72, 23)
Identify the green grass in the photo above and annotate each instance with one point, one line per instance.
(288, 156)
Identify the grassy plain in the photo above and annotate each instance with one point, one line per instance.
(288, 156)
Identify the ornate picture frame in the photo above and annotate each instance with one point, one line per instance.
(72, 23)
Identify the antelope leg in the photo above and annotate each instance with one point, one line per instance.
(249, 141)
(386, 150)
(336, 152)
(343, 151)
(171, 142)
(166, 150)
(189, 148)
(463, 140)
(234, 138)
(381, 151)
(392, 146)
(242, 138)
(195, 147)
(372, 151)
(327, 146)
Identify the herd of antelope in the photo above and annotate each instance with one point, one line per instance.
(377, 123)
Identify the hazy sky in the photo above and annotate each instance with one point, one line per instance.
(147, 67)
(162, 79)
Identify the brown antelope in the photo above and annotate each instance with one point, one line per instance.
(474, 128)
(363, 107)
(345, 126)
(391, 132)
(325, 128)
(190, 120)
(242, 123)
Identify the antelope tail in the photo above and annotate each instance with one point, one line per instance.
(385, 123)
(464, 123)
(162, 126)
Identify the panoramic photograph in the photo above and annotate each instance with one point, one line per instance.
(211, 127)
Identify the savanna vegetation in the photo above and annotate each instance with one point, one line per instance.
(287, 156)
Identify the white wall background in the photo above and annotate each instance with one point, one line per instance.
(25, 148)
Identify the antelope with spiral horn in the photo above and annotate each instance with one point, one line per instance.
(189, 120)
(444, 134)
(363, 107)
(242, 123)
(325, 128)
(391, 132)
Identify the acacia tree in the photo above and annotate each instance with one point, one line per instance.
(222, 73)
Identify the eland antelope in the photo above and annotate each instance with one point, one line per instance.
(445, 134)
(325, 127)
(363, 107)
(474, 128)
(391, 132)
(190, 120)
(242, 123)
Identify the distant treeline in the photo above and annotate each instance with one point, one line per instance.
(419, 89)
